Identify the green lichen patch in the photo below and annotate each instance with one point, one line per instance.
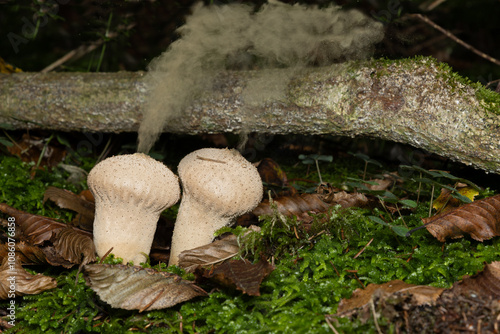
(488, 99)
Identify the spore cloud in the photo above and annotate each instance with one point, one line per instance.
(217, 38)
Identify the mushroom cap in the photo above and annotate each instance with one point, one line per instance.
(222, 180)
(135, 179)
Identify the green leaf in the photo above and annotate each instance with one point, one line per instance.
(378, 220)
(7, 126)
(6, 142)
(400, 230)
(423, 180)
(408, 202)
(374, 162)
(361, 156)
(63, 141)
(461, 197)
(327, 158)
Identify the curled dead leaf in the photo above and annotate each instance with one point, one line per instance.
(67, 200)
(273, 176)
(36, 229)
(479, 219)
(215, 252)
(348, 200)
(25, 253)
(421, 294)
(239, 274)
(50, 241)
(30, 148)
(486, 283)
(135, 288)
(296, 205)
(73, 246)
(15, 280)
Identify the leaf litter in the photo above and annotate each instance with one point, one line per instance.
(479, 219)
(136, 288)
(431, 309)
(55, 242)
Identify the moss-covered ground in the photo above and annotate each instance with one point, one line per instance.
(315, 267)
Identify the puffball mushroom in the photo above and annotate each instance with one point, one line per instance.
(130, 193)
(218, 185)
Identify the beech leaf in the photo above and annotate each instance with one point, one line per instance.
(271, 173)
(65, 199)
(209, 254)
(12, 273)
(296, 205)
(485, 283)
(479, 219)
(239, 274)
(25, 253)
(136, 288)
(73, 246)
(37, 229)
(421, 294)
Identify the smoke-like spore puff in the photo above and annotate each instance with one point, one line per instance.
(216, 38)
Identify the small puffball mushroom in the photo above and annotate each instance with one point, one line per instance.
(218, 185)
(130, 193)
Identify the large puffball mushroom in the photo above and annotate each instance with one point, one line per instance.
(130, 193)
(218, 185)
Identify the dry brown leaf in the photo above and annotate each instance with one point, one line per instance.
(25, 253)
(382, 184)
(135, 288)
(239, 274)
(272, 174)
(348, 200)
(486, 283)
(209, 254)
(65, 199)
(30, 148)
(479, 219)
(25, 283)
(37, 229)
(296, 205)
(74, 246)
(421, 294)
(51, 241)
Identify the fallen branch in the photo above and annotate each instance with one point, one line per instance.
(418, 102)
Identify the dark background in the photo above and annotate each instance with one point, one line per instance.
(141, 30)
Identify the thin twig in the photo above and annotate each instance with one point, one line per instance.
(492, 82)
(455, 38)
(330, 325)
(212, 160)
(152, 301)
(372, 306)
(362, 250)
(105, 255)
(82, 50)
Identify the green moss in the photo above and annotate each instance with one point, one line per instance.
(313, 272)
(19, 189)
(488, 99)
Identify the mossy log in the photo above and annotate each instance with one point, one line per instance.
(419, 102)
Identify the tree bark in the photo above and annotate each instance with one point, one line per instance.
(417, 102)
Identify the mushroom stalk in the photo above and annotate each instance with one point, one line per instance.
(186, 237)
(110, 221)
